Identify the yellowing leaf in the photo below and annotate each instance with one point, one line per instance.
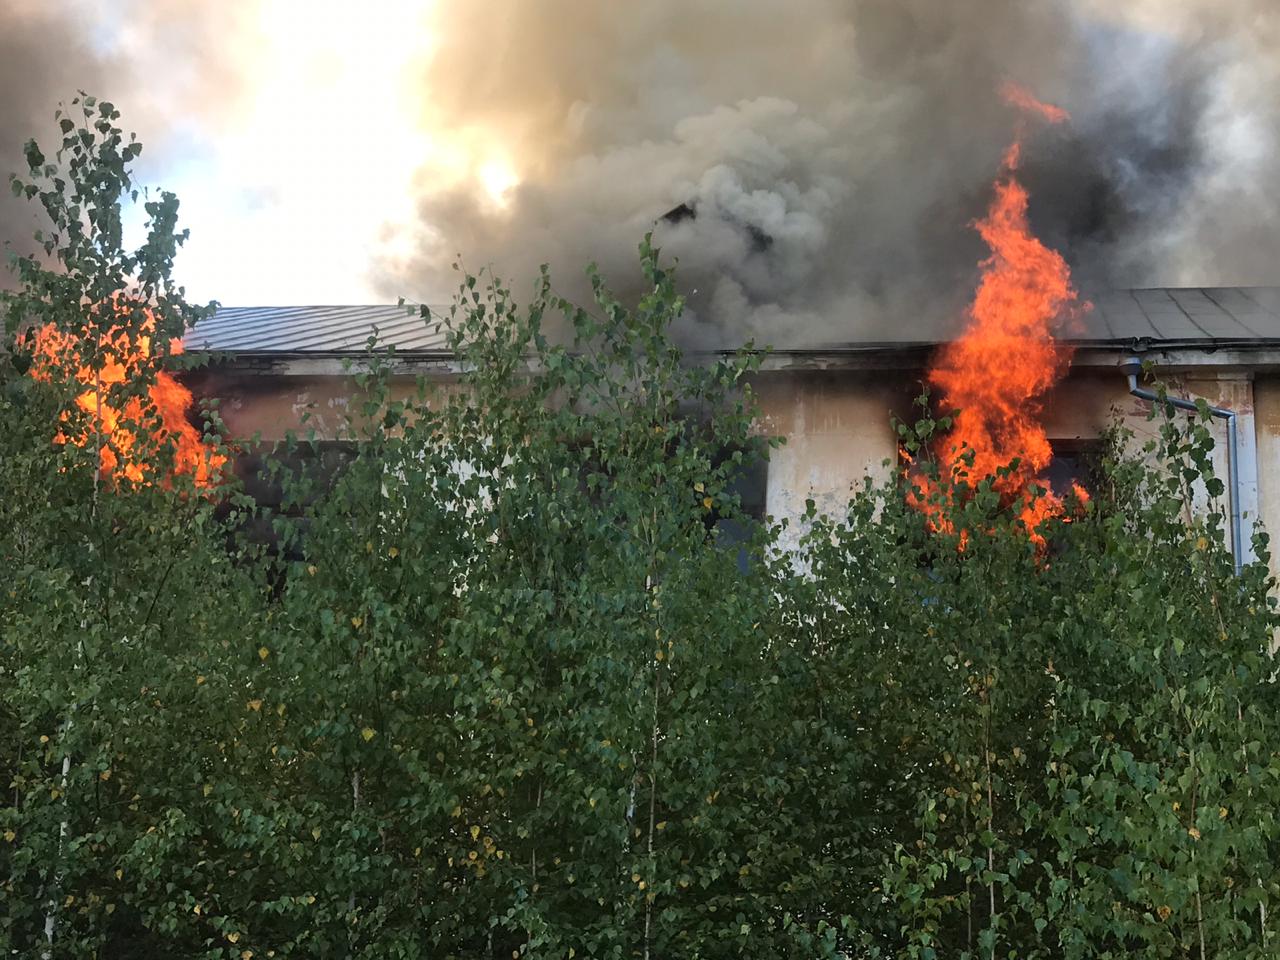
(263, 653)
(44, 738)
(368, 546)
(356, 621)
(456, 812)
(105, 775)
(368, 733)
(475, 831)
(280, 710)
(1222, 813)
(706, 503)
(233, 936)
(311, 570)
(199, 680)
(119, 874)
(1193, 833)
(393, 553)
(315, 833)
(255, 705)
(208, 789)
(9, 836)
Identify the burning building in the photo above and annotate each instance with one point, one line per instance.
(1037, 372)
(833, 404)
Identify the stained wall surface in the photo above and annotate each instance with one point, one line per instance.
(837, 425)
(837, 428)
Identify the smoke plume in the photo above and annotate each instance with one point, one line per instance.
(41, 57)
(816, 165)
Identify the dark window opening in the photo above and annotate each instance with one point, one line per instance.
(285, 481)
(1075, 461)
(749, 485)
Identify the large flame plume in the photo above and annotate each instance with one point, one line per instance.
(129, 435)
(998, 371)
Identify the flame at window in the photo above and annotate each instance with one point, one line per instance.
(1000, 368)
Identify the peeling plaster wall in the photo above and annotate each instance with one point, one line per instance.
(1266, 396)
(837, 426)
(271, 407)
(837, 429)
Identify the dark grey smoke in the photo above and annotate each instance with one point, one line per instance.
(43, 60)
(860, 137)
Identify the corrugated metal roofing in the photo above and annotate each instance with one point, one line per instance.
(1208, 314)
(344, 329)
(1190, 313)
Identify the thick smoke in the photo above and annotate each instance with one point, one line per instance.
(824, 159)
(41, 58)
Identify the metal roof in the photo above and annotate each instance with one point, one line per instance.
(1234, 314)
(318, 330)
(1191, 316)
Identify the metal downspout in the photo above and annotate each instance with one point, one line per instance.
(1132, 367)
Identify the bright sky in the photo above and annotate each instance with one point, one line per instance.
(312, 169)
(329, 104)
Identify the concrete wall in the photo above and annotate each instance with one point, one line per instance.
(1266, 400)
(271, 406)
(837, 429)
(836, 423)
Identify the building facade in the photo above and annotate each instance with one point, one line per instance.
(286, 368)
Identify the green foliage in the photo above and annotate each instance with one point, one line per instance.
(1084, 742)
(506, 686)
(125, 622)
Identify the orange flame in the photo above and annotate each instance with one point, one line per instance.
(122, 355)
(998, 371)
(1022, 98)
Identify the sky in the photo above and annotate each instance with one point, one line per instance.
(834, 152)
(294, 187)
(291, 130)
